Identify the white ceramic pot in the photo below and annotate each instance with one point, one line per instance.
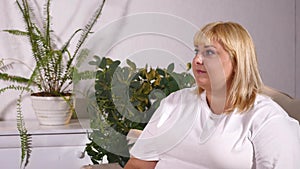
(53, 110)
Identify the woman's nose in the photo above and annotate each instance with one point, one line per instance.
(199, 59)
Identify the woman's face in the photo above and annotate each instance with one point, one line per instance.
(212, 66)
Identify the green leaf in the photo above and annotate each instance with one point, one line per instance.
(103, 64)
(131, 64)
(160, 71)
(114, 65)
(151, 75)
(189, 66)
(170, 68)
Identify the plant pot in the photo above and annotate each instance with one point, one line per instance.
(53, 111)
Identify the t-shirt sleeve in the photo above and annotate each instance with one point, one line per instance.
(168, 126)
(277, 144)
(145, 148)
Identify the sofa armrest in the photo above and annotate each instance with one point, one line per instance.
(289, 104)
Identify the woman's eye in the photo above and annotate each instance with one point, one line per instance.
(196, 51)
(209, 53)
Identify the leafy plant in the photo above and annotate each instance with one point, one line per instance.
(54, 66)
(52, 74)
(126, 98)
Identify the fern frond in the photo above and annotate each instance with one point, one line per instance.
(17, 32)
(66, 45)
(24, 136)
(35, 78)
(85, 75)
(4, 68)
(84, 53)
(11, 78)
(47, 25)
(15, 87)
(12, 61)
(88, 28)
(85, 32)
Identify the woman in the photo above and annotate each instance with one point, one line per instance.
(224, 122)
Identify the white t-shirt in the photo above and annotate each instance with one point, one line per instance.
(183, 133)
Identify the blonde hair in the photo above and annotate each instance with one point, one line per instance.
(246, 80)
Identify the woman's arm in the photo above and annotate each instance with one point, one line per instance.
(135, 163)
(277, 145)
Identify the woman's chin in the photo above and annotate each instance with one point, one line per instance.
(203, 84)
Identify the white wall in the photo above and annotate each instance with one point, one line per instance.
(297, 55)
(272, 24)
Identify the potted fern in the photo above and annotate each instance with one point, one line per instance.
(52, 75)
(51, 78)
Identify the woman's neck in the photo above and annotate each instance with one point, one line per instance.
(217, 101)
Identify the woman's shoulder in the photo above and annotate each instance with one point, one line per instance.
(264, 111)
(265, 106)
